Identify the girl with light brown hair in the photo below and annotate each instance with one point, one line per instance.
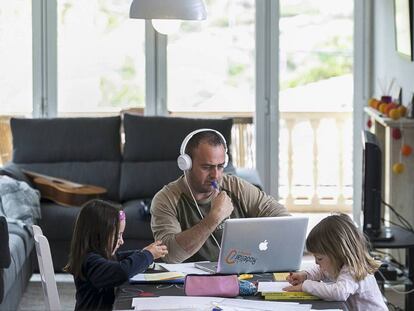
(343, 264)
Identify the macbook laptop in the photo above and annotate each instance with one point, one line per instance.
(264, 244)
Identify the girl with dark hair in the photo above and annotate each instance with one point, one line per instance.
(343, 265)
(94, 262)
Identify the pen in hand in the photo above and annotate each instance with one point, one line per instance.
(215, 185)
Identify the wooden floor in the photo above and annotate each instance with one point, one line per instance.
(33, 297)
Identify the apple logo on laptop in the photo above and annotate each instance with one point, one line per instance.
(263, 245)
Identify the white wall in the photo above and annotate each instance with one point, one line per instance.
(387, 63)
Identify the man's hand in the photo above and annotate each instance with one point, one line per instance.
(221, 207)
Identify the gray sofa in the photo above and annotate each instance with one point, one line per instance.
(92, 151)
(16, 263)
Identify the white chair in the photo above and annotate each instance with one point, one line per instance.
(47, 274)
(37, 230)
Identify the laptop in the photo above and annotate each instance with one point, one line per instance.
(264, 244)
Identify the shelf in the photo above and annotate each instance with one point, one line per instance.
(386, 121)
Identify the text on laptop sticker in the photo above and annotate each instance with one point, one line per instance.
(237, 256)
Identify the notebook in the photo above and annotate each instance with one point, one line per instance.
(264, 244)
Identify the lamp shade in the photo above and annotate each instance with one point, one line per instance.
(168, 9)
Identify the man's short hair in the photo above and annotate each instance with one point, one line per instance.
(209, 137)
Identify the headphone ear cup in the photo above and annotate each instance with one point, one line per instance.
(226, 160)
(184, 162)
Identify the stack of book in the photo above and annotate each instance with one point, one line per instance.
(289, 296)
(274, 291)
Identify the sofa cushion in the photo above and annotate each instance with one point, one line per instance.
(145, 179)
(66, 139)
(137, 220)
(159, 138)
(58, 221)
(18, 255)
(24, 234)
(4, 244)
(152, 145)
(99, 173)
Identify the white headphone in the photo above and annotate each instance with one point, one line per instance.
(184, 160)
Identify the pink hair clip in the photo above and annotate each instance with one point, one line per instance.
(122, 215)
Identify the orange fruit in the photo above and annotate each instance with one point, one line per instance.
(406, 150)
(373, 102)
(394, 114)
(403, 110)
(382, 107)
(376, 104)
(398, 168)
(389, 107)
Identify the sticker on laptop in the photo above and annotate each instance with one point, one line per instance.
(237, 256)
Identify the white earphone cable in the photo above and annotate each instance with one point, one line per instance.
(198, 209)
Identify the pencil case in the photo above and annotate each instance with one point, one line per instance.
(211, 285)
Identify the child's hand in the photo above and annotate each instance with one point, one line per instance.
(296, 278)
(157, 249)
(294, 288)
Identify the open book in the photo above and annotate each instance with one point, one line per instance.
(166, 273)
(167, 277)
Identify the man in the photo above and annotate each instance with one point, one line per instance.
(188, 214)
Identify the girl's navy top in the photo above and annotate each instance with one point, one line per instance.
(96, 290)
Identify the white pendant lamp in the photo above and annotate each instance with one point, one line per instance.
(168, 9)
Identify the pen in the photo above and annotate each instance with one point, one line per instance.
(215, 185)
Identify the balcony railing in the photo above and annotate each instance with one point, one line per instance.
(315, 157)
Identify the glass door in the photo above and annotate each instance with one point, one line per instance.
(211, 71)
(315, 105)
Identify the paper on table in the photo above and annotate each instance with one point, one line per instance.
(173, 302)
(263, 306)
(199, 303)
(272, 287)
(186, 268)
(162, 276)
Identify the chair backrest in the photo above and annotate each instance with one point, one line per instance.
(47, 274)
(37, 230)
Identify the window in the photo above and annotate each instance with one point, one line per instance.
(211, 63)
(101, 57)
(16, 57)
